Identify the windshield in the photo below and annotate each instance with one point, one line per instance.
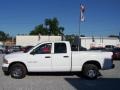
(27, 48)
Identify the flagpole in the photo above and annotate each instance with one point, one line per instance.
(79, 31)
(81, 19)
(119, 36)
(79, 38)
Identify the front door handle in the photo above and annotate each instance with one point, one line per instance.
(47, 57)
(65, 56)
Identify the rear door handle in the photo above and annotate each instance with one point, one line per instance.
(65, 56)
(47, 57)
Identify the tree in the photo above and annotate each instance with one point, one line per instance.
(114, 36)
(61, 29)
(39, 30)
(3, 36)
(50, 27)
(70, 38)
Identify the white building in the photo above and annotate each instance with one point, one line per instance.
(89, 42)
(86, 42)
(1, 43)
(33, 40)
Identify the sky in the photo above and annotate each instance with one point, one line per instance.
(102, 17)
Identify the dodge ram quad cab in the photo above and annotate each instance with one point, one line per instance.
(56, 57)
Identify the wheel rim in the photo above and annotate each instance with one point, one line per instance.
(17, 72)
(91, 73)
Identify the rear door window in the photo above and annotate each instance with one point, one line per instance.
(60, 48)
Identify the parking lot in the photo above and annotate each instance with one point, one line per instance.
(109, 80)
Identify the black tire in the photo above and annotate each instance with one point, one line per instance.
(90, 71)
(18, 71)
(6, 73)
(1, 52)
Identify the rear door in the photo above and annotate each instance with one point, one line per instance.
(61, 59)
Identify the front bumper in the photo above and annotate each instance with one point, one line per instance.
(5, 69)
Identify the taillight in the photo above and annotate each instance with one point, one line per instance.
(112, 57)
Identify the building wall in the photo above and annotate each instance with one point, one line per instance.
(1, 43)
(87, 42)
(33, 40)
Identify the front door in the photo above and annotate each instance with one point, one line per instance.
(40, 58)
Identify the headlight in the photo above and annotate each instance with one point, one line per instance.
(5, 61)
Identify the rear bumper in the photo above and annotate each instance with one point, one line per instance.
(113, 66)
(108, 67)
(108, 64)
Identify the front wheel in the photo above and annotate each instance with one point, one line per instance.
(18, 71)
(90, 71)
(1, 52)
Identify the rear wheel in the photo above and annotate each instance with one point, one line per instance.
(6, 73)
(90, 71)
(18, 71)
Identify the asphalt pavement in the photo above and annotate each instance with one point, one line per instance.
(109, 80)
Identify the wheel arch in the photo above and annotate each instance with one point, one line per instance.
(17, 62)
(93, 62)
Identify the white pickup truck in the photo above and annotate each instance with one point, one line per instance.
(56, 57)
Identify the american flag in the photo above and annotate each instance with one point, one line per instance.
(82, 10)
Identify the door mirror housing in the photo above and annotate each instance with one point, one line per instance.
(33, 52)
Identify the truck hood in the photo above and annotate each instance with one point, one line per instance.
(14, 55)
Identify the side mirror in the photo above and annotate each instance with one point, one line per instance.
(33, 52)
